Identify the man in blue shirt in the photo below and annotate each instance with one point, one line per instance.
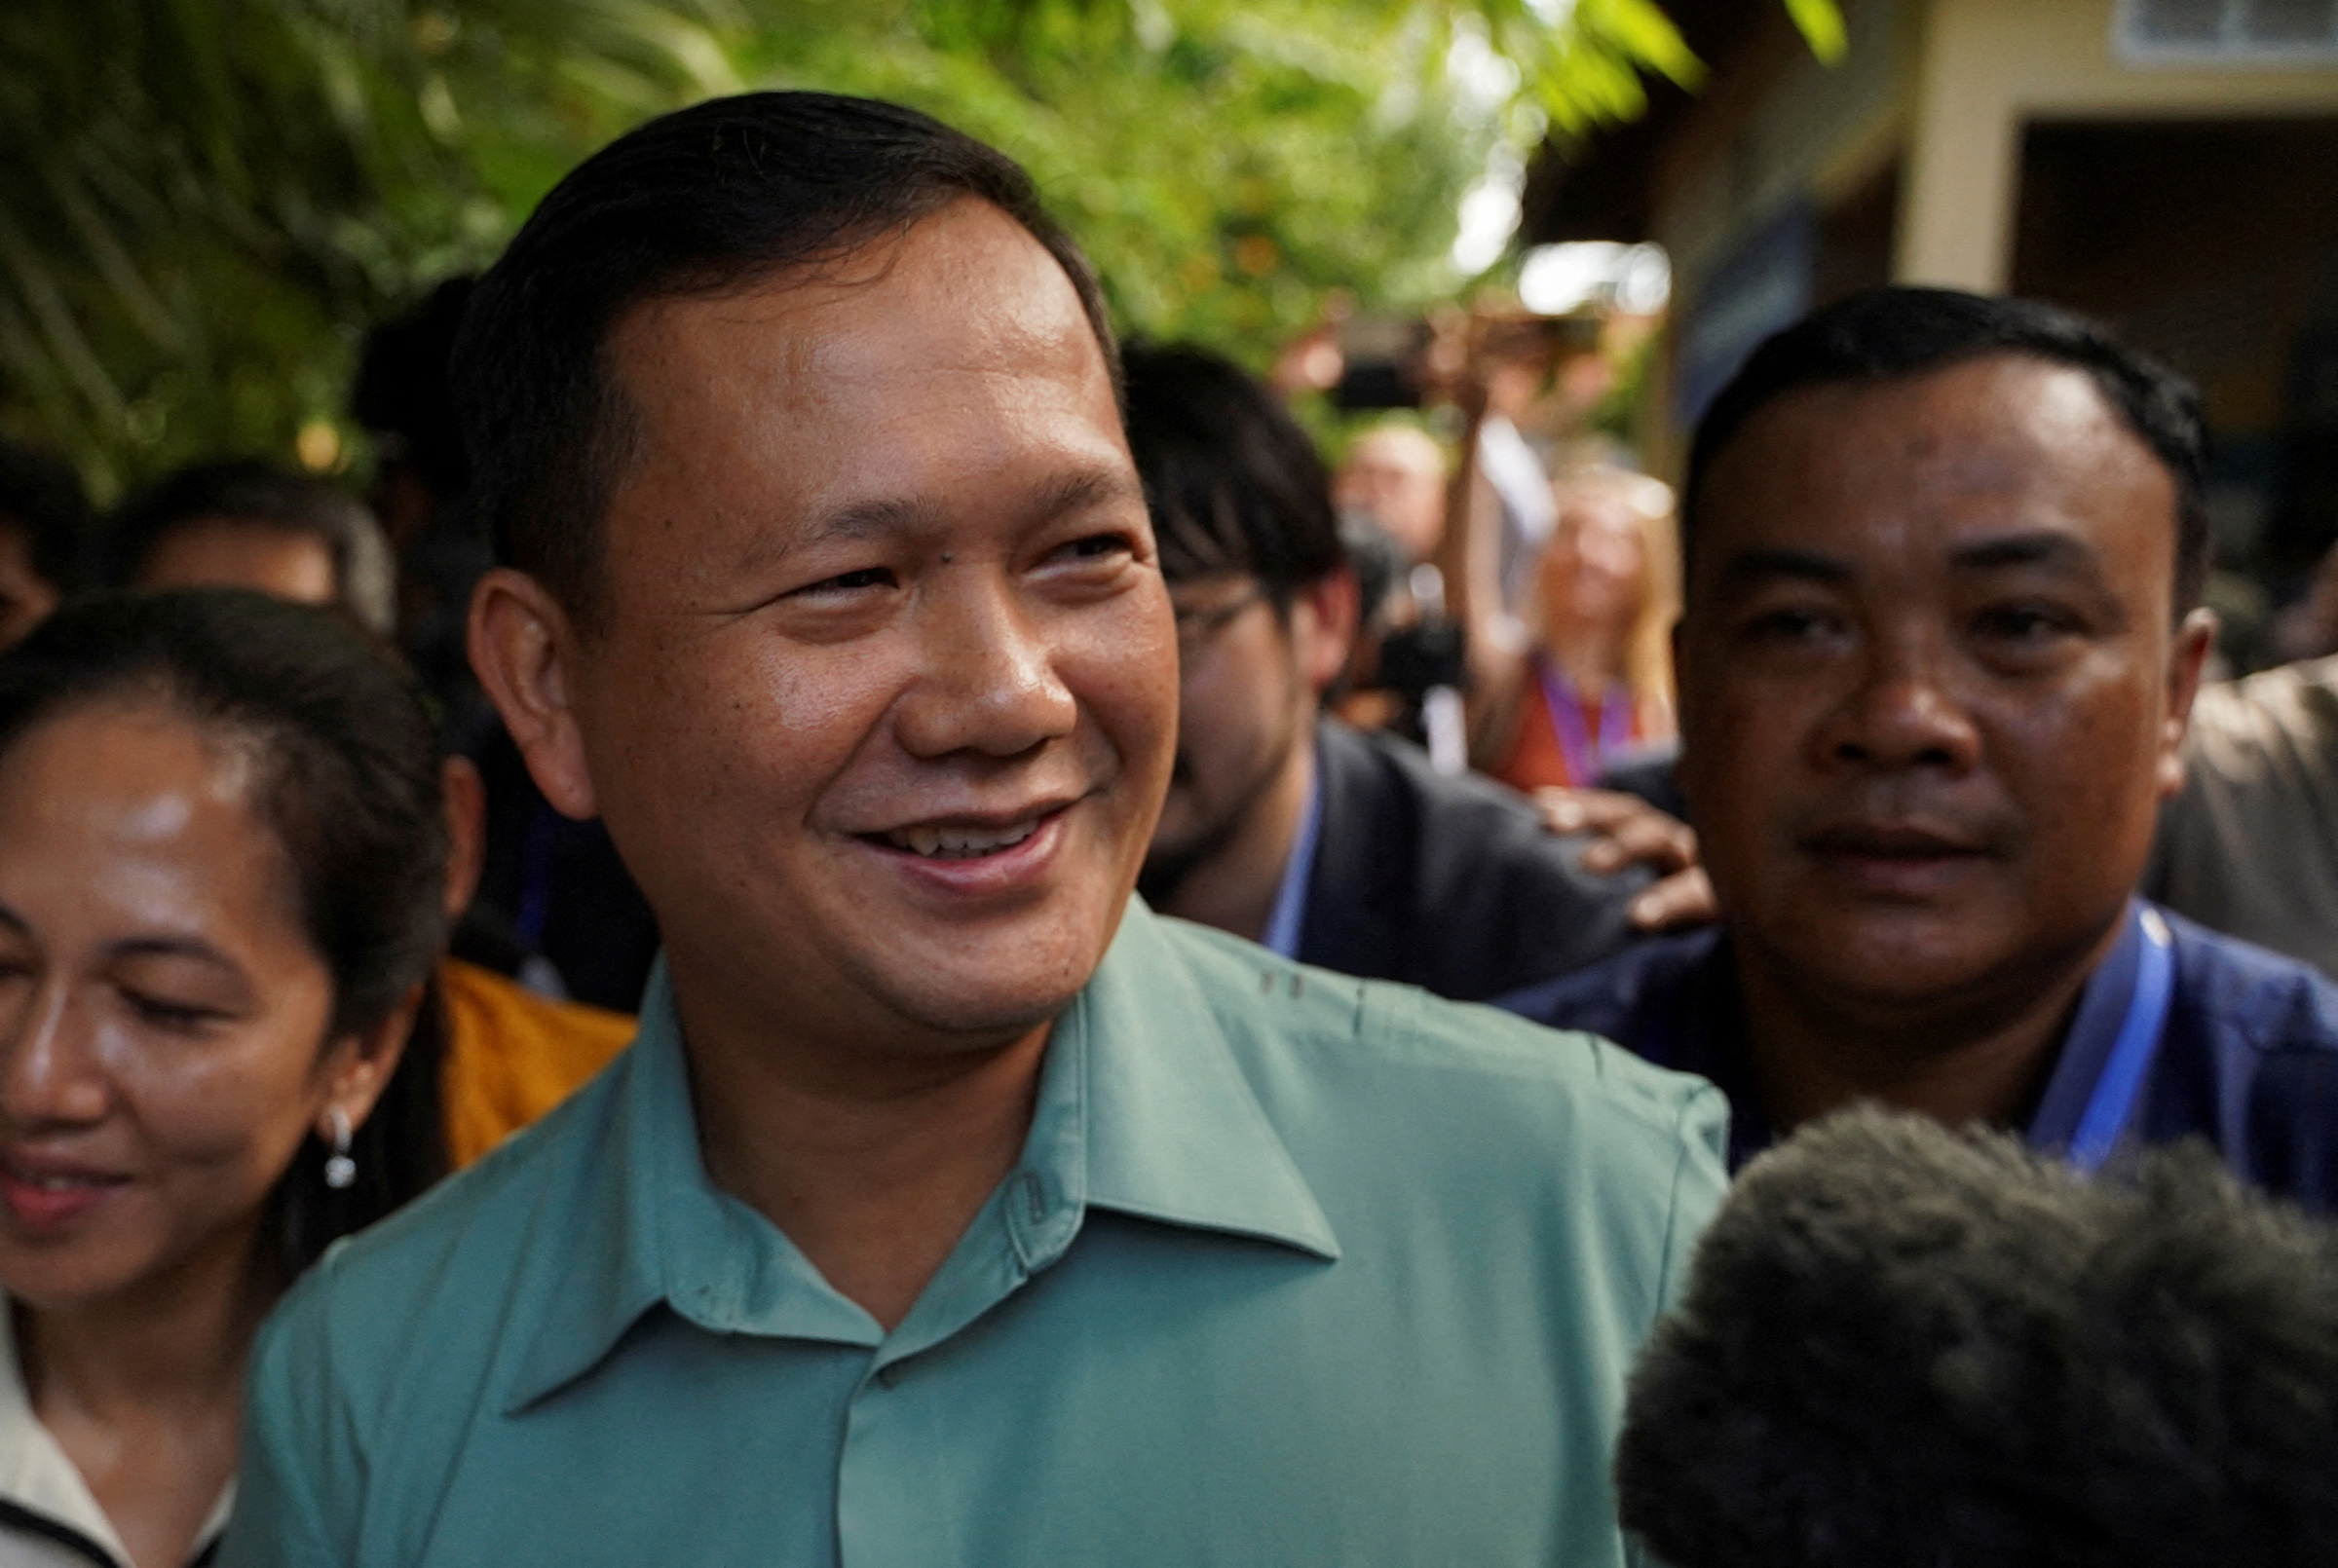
(951, 1206)
(1936, 655)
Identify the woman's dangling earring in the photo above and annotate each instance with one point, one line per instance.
(340, 1170)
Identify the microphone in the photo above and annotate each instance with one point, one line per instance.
(1906, 1347)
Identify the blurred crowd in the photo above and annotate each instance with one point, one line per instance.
(1875, 775)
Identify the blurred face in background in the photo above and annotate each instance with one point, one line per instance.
(881, 710)
(1595, 567)
(1251, 674)
(25, 596)
(163, 1014)
(1931, 689)
(240, 552)
(1397, 477)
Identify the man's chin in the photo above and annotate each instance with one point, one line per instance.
(1000, 984)
(983, 1012)
(1900, 955)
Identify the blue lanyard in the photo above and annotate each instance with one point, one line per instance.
(2112, 1105)
(1582, 753)
(1290, 898)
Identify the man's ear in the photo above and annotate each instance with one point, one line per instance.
(523, 648)
(2187, 655)
(1323, 626)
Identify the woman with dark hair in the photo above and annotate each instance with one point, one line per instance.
(222, 896)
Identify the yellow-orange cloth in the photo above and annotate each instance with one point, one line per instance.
(512, 1055)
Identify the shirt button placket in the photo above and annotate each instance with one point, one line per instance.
(877, 1518)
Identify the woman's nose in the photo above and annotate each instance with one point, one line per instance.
(49, 1071)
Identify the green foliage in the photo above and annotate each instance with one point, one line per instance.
(205, 201)
(1822, 25)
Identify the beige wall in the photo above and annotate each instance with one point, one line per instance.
(1989, 65)
(1776, 125)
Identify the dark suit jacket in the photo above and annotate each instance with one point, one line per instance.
(1448, 883)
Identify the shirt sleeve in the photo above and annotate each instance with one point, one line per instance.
(297, 1459)
(1700, 1182)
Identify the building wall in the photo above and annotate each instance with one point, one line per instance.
(1775, 126)
(1987, 67)
(1741, 190)
(1788, 182)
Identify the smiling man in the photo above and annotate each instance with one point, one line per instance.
(951, 1206)
(1936, 656)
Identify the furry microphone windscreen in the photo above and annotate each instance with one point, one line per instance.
(1904, 1347)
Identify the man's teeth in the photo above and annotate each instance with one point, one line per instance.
(962, 843)
(55, 1184)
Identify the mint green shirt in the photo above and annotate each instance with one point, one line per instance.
(1295, 1269)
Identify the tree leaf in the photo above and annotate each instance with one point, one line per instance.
(1821, 26)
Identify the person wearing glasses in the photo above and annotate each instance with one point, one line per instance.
(1328, 845)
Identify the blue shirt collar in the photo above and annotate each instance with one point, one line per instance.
(1142, 1109)
(2086, 1048)
(1286, 927)
(1703, 1033)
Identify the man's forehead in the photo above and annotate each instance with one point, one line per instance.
(1973, 414)
(2003, 441)
(944, 376)
(965, 285)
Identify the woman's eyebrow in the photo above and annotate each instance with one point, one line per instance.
(175, 946)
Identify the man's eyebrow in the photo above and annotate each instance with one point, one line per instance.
(2043, 547)
(865, 519)
(1093, 487)
(874, 518)
(870, 519)
(1764, 561)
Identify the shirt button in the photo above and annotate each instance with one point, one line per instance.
(889, 1375)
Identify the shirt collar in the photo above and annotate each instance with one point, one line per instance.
(36, 1476)
(656, 1230)
(2086, 1048)
(1286, 926)
(1705, 1033)
(1142, 1109)
(1174, 1130)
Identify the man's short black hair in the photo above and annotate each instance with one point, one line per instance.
(253, 490)
(1903, 1347)
(710, 199)
(1234, 483)
(42, 498)
(1886, 334)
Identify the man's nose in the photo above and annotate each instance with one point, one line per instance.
(1903, 713)
(988, 683)
(49, 1073)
